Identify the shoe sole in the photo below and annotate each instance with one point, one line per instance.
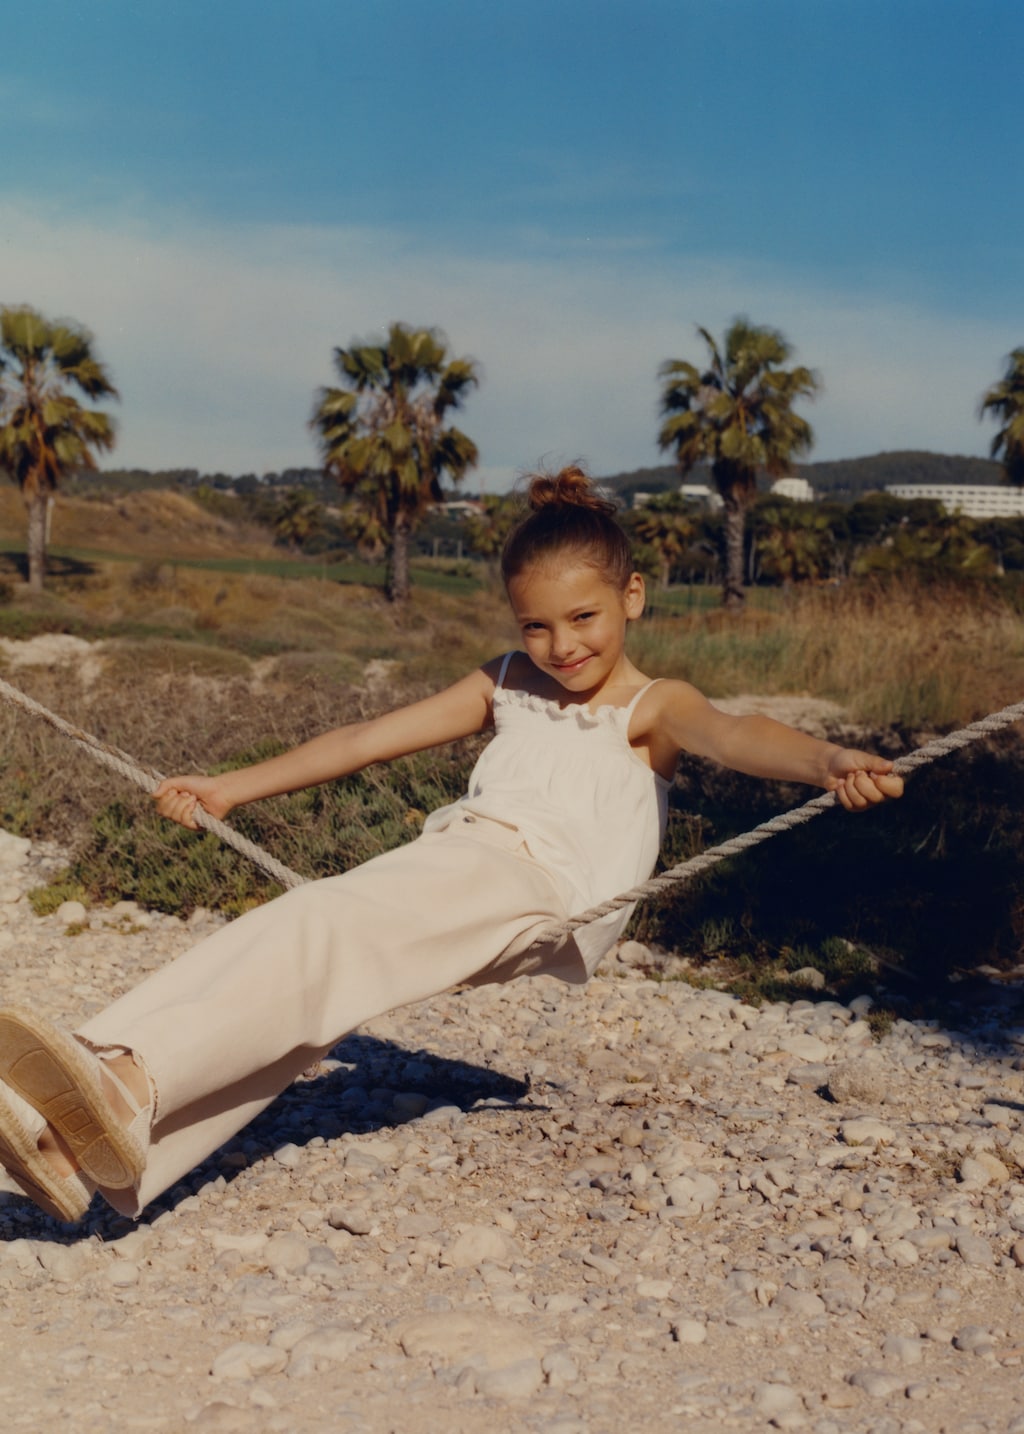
(58, 1077)
(64, 1197)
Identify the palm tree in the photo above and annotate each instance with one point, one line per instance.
(485, 532)
(1006, 401)
(667, 523)
(297, 517)
(383, 435)
(45, 432)
(737, 414)
(795, 542)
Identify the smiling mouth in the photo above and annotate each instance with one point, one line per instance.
(570, 666)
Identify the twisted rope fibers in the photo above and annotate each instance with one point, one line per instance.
(784, 821)
(148, 779)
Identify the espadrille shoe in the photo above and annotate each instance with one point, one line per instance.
(65, 1197)
(63, 1080)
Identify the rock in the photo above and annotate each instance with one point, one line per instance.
(865, 1130)
(903, 1349)
(122, 1274)
(692, 1194)
(355, 1221)
(877, 1383)
(974, 1249)
(511, 1381)
(218, 1415)
(477, 1245)
(689, 1331)
(71, 913)
(634, 953)
(804, 1303)
(248, 1361)
(804, 1047)
(325, 1347)
(773, 1399)
(808, 976)
(858, 1082)
(983, 1168)
(560, 1369)
(463, 1337)
(974, 1339)
(286, 1253)
(63, 1263)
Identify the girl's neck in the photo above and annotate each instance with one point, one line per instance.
(618, 689)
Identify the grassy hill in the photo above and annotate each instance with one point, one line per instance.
(158, 524)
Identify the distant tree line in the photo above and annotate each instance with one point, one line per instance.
(388, 446)
(842, 479)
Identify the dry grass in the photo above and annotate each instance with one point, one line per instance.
(204, 669)
(905, 654)
(154, 524)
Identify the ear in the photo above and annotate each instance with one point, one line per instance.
(634, 596)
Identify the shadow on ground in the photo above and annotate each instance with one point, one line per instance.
(357, 1097)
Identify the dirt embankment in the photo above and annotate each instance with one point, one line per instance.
(160, 524)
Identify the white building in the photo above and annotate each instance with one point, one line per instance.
(980, 500)
(701, 493)
(796, 488)
(459, 508)
(693, 492)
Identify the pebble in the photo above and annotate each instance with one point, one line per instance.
(634, 1203)
(247, 1361)
(478, 1245)
(866, 1130)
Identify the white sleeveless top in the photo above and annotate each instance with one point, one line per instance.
(592, 812)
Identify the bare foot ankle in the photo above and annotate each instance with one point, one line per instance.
(130, 1075)
(56, 1154)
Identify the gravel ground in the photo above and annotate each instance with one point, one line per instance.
(532, 1207)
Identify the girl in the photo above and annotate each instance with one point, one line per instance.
(565, 808)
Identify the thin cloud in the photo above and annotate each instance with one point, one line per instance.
(218, 338)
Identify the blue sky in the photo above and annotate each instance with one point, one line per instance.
(223, 192)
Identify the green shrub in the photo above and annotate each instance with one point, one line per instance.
(133, 854)
(45, 900)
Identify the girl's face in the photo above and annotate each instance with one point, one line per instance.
(573, 622)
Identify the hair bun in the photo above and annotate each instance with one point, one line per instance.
(569, 488)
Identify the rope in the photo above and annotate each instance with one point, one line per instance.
(148, 779)
(687, 870)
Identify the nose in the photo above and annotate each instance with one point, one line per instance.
(563, 644)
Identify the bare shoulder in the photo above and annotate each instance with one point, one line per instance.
(670, 718)
(668, 702)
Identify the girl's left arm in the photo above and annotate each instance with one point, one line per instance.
(762, 747)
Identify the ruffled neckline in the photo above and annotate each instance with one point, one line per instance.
(604, 716)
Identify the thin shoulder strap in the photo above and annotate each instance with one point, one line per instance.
(504, 668)
(628, 711)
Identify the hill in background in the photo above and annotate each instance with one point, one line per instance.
(844, 479)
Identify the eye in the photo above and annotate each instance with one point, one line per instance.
(584, 616)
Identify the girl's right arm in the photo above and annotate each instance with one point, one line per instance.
(458, 711)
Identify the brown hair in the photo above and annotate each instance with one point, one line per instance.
(568, 517)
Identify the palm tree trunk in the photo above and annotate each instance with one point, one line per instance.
(398, 560)
(733, 596)
(36, 505)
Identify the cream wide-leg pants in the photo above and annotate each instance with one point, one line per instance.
(224, 1028)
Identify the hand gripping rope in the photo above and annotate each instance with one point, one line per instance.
(148, 779)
